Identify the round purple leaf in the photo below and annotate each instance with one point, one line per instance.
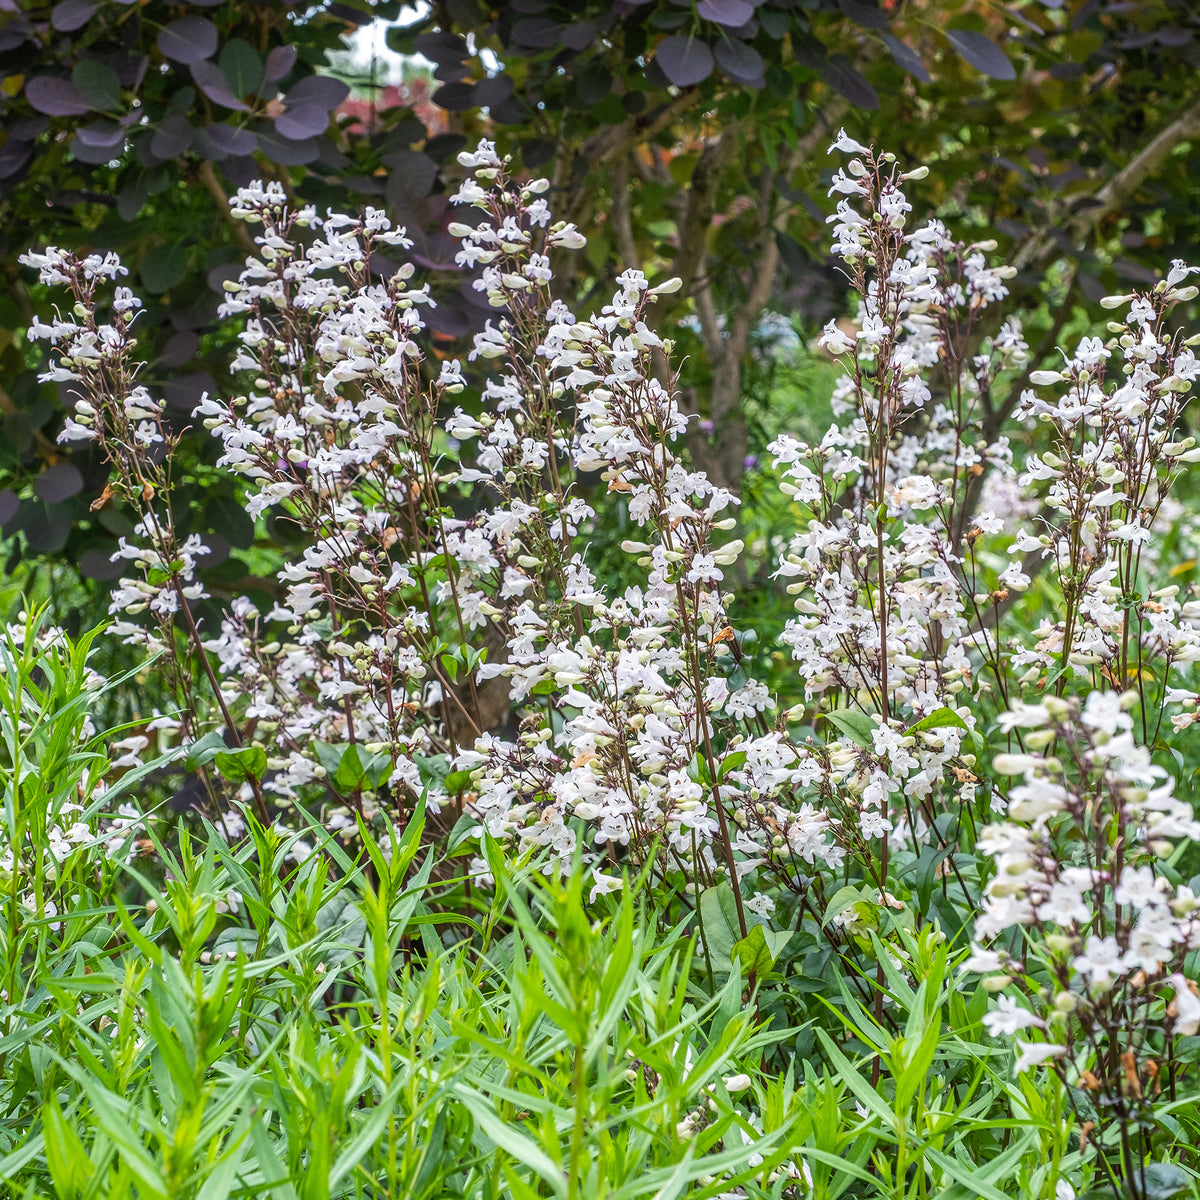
(740, 62)
(95, 563)
(228, 140)
(455, 97)
(55, 97)
(907, 58)
(58, 483)
(982, 53)
(9, 503)
(578, 37)
(287, 152)
(93, 154)
(72, 14)
(179, 348)
(317, 89)
(188, 40)
(684, 60)
(493, 90)
(302, 121)
(171, 138)
(212, 82)
(279, 62)
(101, 134)
(726, 12)
(13, 157)
(538, 32)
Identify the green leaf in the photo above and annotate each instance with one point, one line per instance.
(841, 900)
(203, 751)
(457, 782)
(98, 84)
(241, 66)
(349, 773)
(250, 762)
(718, 911)
(731, 762)
(855, 725)
(943, 718)
(330, 755)
(1162, 1180)
(753, 952)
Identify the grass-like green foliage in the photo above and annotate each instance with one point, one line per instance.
(345, 1030)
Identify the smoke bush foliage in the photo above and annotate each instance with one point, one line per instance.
(819, 842)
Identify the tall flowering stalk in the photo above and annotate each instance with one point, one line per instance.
(446, 555)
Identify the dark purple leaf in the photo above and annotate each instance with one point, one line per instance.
(510, 112)
(578, 37)
(172, 137)
(742, 63)
(444, 146)
(184, 392)
(439, 46)
(684, 60)
(355, 16)
(179, 348)
(317, 89)
(58, 483)
(46, 529)
(72, 14)
(452, 72)
(14, 156)
(450, 320)
(493, 90)
(217, 553)
(210, 80)
(96, 563)
(1173, 35)
(217, 278)
(188, 40)
(726, 12)
(94, 155)
(55, 97)
(411, 177)
(982, 53)
(843, 78)
(229, 140)
(537, 151)
(279, 62)
(286, 151)
(8, 505)
(537, 32)
(1067, 70)
(863, 13)
(27, 129)
(303, 121)
(455, 97)
(906, 58)
(102, 134)
(11, 38)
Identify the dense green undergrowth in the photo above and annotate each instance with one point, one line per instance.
(279, 1019)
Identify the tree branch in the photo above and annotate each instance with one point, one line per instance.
(1119, 189)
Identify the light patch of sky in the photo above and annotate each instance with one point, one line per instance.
(368, 43)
